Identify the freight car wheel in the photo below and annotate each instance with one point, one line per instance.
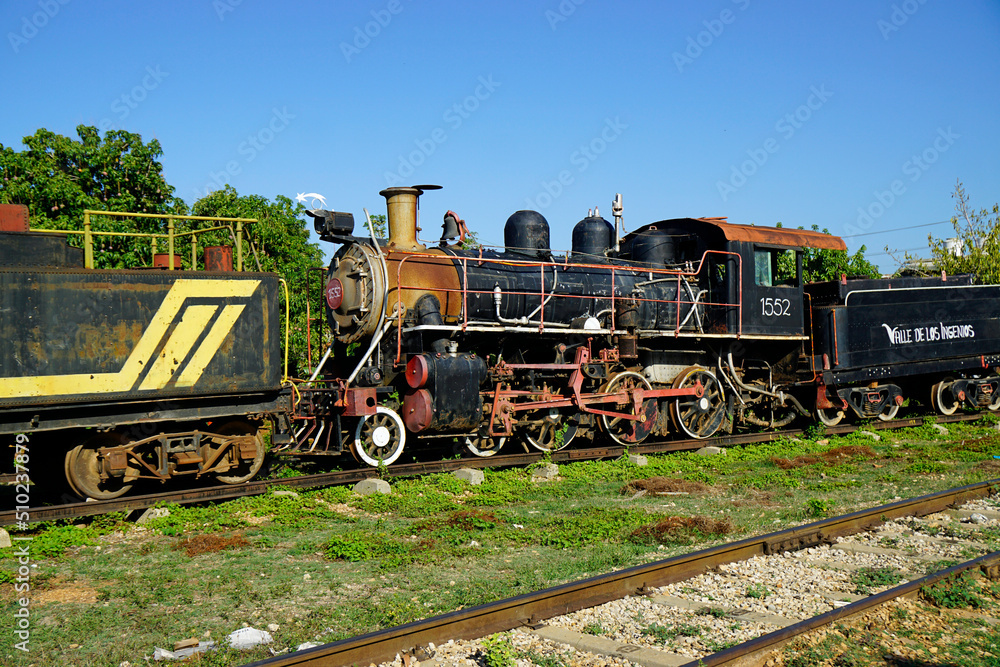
(994, 405)
(379, 438)
(552, 432)
(699, 417)
(83, 469)
(244, 470)
(484, 445)
(829, 417)
(942, 399)
(889, 412)
(629, 431)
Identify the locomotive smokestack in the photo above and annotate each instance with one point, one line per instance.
(402, 212)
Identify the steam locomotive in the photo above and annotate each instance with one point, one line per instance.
(683, 327)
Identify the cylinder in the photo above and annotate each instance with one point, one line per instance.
(527, 233)
(218, 258)
(401, 204)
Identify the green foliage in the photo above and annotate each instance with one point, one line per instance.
(955, 592)
(58, 178)
(362, 545)
(595, 629)
(499, 651)
(664, 634)
(715, 612)
(867, 579)
(279, 242)
(591, 526)
(817, 507)
(758, 591)
(979, 234)
(820, 265)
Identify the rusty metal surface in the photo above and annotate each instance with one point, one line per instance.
(776, 235)
(531, 608)
(14, 218)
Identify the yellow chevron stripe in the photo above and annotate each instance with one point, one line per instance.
(138, 360)
(193, 322)
(206, 351)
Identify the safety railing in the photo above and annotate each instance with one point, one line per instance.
(547, 292)
(172, 236)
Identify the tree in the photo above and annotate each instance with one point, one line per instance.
(819, 264)
(58, 178)
(280, 243)
(978, 234)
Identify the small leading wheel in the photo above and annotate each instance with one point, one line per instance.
(629, 431)
(240, 470)
(379, 438)
(829, 416)
(483, 445)
(942, 399)
(889, 411)
(84, 467)
(699, 417)
(552, 432)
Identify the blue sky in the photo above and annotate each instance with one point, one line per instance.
(854, 116)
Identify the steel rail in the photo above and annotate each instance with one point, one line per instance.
(258, 487)
(530, 609)
(750, 652)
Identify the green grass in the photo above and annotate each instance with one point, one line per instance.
(328, 564)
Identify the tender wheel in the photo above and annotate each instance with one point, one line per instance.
(699, 417)
(241, 470)
(942, 399)
(994, 405)
(83, 469)
(484, 445)
(889, 411)
(829, 416)
(552, 432)
(629, 431)
(379, 438)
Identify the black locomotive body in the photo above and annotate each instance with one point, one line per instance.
(688, 326)
(121, 375)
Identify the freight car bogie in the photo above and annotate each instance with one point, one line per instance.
(107, 464)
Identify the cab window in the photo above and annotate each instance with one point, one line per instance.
(775, 267)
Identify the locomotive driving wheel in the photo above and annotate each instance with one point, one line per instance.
(84, 466)
(550, 430)
(379, 438)
(942, 400)
(240, 470)
(699, 417)
(629, 431)
(484, 445)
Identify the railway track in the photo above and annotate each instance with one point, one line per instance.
(229, 492)
(553, 620)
